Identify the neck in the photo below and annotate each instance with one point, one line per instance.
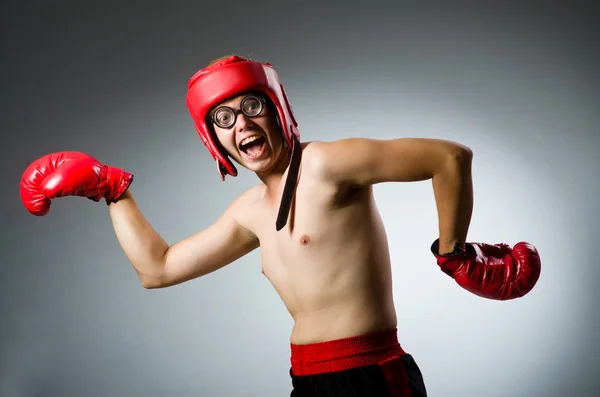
(273, 178)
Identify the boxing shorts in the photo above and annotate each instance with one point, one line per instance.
(370, 365)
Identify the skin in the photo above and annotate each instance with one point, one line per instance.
(330, 264)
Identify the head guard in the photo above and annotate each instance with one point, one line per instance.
(228, 78)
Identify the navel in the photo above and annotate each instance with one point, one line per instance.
(304, 239)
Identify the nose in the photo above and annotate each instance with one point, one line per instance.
(242, 122)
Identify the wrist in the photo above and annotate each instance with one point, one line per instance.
(446, 249)
(117, 182)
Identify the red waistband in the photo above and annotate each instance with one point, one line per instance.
(347, 353)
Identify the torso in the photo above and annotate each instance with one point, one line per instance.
(330, 264)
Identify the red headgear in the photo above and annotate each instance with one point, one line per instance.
(228, 78)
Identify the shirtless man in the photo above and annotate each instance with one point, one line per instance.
(314, 218)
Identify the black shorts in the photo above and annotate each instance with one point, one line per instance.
(371, 365)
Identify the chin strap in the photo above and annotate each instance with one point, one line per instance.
(290, 185)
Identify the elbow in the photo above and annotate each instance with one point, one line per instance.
(151, 282)
(460, 155)
(461, 150)
(457, 160)
(148, 285)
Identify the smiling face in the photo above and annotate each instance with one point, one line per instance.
(247, 128)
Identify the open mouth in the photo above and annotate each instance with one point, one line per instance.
(253, 146)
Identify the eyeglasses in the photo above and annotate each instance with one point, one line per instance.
(225, 117)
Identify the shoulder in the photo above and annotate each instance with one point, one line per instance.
(247, 200)
(329, 160)
(246, 205)
(318, 156)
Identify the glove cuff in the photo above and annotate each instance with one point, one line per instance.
(451, 261)
(116, 182)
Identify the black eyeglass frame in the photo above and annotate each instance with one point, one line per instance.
(236, 112)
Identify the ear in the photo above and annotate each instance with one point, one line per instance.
(224, 164)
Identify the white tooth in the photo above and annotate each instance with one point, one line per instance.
(248, 140)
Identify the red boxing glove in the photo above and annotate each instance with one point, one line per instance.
(70, 174)
(492, 271)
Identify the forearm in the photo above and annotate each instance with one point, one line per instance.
(453, 190)
(142, 245)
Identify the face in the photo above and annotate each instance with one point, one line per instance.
(247, 129)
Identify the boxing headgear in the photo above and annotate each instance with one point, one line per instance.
(228, 78)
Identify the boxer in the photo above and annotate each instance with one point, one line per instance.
(314, 218)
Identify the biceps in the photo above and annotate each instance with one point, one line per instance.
(207, 251)
(398, 160)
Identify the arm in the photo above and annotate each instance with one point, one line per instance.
(359, 162)
(63, 174)
(491, 271)
(160, 265)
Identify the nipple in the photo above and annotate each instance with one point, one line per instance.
(304, 239)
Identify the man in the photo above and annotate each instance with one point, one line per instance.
(322, 241)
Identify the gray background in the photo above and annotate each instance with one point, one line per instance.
(517, 83)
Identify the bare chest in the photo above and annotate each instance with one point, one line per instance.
(321, 233)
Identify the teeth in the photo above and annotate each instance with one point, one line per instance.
(249, 139)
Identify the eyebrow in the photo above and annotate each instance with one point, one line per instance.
(231, 102)
(225, 103)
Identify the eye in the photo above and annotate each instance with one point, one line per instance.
(223, 117)
(251, 106)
